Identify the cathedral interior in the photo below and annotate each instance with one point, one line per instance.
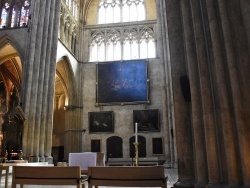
(96, 75)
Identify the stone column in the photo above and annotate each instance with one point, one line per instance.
(225, 122)
(181, 108)
(39, 78)
(164, 42)
(50, 79)
(245, 11)
(196, 103)
(238, 102)
(203, 65)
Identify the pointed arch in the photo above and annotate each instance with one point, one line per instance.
(6, 40)
(65, 73)
(11, 64)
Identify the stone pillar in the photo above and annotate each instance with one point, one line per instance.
(196, 103)
(164, 53)
(181, 108)
(39, 78)
(237, 95)
(224, 114)
(245, 11)
(203, 65)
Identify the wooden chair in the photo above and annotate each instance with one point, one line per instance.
(6, 168)
(47, 175)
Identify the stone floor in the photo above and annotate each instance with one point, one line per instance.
(171, 173)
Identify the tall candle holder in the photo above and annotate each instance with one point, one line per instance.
(136, 153)
(136, 143)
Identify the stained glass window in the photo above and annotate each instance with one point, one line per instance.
(18, 16)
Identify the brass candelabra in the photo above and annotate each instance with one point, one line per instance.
(136, 153)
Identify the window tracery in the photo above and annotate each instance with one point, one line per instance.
(122, 44)
(122, 41)
(114, 11)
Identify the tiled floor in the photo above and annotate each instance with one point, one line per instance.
(171, 173)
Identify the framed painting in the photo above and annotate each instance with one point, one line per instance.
(96, 145)
(101, 122)
(122, 82)
(157, 145)
(147, 120)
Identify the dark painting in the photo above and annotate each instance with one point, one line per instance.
(123, 82)
(148, 120)
(101, 122)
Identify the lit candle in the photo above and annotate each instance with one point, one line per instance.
(136, 130)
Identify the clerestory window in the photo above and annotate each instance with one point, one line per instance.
(129, 41)
(114, 11)
(14, 13)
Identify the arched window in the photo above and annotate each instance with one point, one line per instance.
(114, 11)
(24, 14)
(147, 43)
(97, 47)
(130, 49)
(132, 40)
(15, 14)
(113, 46)
(5, 9)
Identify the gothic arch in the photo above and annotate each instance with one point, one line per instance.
(10, 79)
(65, 89)
(11, 66)
(6, 40)
(65, 73)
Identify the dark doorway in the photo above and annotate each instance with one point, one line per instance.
(114, 147)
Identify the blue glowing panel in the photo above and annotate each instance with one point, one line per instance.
(123, 82)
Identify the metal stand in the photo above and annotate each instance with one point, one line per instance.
(136, 153)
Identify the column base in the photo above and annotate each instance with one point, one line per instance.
(200, 185)
(49, 159)
(184, 183)
(214, 185)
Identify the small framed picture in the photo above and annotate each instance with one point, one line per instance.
(101, 122)
(147, 120)
(96, 145)
(157, 146)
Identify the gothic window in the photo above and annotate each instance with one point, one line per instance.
(114, 11)
(14, 14)
(97, 47)
(113, 46)
(147, 43)
(5, 9)
(122, 44)
(25, 13)
(130, 49)
(122, 41)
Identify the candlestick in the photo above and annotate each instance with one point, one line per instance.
(136, 130)
(136, 153)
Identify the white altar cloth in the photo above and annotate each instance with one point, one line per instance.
(84, 160)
